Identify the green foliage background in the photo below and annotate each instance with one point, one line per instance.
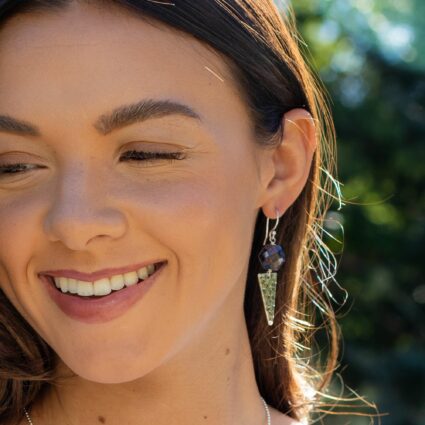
(370, 55)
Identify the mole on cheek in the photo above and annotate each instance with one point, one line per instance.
(205, 417)
(227, 351)
(101, 419)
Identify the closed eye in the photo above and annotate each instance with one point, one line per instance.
(17, 168)
(134, 155)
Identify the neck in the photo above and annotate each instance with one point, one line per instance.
(211, 381)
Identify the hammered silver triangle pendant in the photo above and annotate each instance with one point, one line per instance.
(268, 283)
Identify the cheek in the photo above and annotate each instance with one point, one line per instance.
(20, 230)
(203, 220)
(19, 222)
(182, 214)
(202, 224)
(193, 214)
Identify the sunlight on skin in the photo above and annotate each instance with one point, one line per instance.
(183, 350)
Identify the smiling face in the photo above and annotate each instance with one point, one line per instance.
(81, 204)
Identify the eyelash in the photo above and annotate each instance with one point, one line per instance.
(131, 155)
(152, 156)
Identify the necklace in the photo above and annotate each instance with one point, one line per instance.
(269, 422)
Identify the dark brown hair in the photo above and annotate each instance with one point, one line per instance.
(260, 45)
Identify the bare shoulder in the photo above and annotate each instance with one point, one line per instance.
(279, 418)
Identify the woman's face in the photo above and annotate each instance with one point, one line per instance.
(81, 205)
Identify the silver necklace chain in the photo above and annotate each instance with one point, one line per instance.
(269, 422)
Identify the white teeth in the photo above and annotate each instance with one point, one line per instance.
(143, 273)
(130, 278)
(85, 289)
(117, 282)
(73, 286)
(63, 282)
(57, 282)
(103, 286)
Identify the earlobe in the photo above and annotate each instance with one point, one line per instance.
(292, 161)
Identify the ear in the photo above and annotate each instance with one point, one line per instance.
(288, 165)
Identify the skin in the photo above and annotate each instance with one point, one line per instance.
(181, 355)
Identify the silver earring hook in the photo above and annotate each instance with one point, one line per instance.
(272, 233)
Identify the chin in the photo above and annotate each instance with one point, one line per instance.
(108, 376)
(108, 371)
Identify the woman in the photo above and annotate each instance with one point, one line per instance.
(153, 156)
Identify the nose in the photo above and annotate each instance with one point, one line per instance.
(82, 212)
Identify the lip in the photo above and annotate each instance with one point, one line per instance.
(91, 277)
(102, 309)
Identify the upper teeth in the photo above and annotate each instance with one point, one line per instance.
(103, 286)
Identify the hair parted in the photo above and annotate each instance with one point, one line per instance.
(260, 45)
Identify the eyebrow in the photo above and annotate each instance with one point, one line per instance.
(119, 117)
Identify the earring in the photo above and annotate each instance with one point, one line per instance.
(271, 259)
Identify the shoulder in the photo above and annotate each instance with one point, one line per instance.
(279, 418)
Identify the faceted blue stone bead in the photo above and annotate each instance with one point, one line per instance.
(272, 257)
